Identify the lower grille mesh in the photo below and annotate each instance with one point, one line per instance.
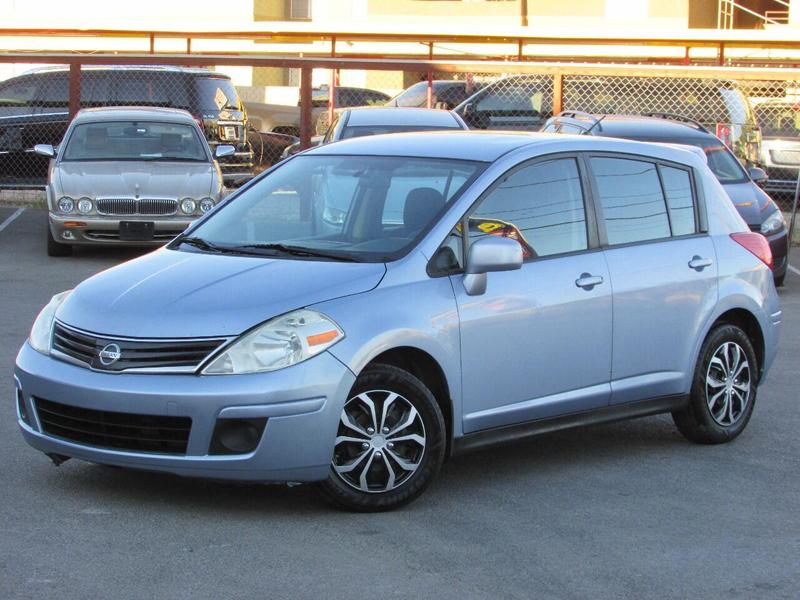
(114, 430)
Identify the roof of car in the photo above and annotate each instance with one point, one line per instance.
(637, 126)
(149, 68)
(488, 146)
(133, 113)
(379, 115)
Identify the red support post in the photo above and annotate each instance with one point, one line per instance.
(430, 77)
(305, 107)
(558, 93)
(74, 89)
(332, 87)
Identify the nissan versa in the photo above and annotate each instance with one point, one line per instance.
(367, 308)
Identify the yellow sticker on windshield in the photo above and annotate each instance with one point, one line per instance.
(220, 99)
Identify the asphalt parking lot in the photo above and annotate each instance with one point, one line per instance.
(628, 510)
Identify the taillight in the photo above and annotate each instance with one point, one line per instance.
(756, 244)
(724, 134)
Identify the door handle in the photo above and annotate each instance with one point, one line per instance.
(587, 281)
(698, 263)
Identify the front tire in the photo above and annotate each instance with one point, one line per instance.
(56, 249)
(724, 388)
(390, 443)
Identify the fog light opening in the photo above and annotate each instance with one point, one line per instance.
(237, 436)
(21, 408)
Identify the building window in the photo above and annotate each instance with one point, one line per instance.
(300, 10)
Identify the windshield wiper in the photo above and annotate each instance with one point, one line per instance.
(300, 251)
(206, 245)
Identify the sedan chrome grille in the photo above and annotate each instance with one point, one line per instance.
(127, 354)
(154, 207)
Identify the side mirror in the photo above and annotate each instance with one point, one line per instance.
(758, 174)
(489, 254)
(224, 150)
(45, 150)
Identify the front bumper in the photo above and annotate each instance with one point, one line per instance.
(302, 405)
(105, 230)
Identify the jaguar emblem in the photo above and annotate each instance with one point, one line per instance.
(110, 354)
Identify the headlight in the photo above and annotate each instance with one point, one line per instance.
(278, 343)
(66, 204)
(42, 329)
(84, 205)
(188, 205)
(773, 223)
(206, 204)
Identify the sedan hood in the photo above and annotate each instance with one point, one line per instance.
(751, 201)
(175, 294)
(148, 179)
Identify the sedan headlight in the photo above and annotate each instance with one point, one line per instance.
(206, 204)
(188, 205)
(66, 204)
(85, 205)
(278, 343)
(42, 330)
(773, 223)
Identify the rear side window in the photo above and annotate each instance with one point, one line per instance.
(678, 190)
(633, 203)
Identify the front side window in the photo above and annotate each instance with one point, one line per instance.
(414, 96)
(633, 204)
(135, 140)
(359, 208)
(540, 206)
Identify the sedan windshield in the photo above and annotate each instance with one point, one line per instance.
(356, 208)
(135, 140)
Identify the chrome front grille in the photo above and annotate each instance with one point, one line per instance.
(179, 355)
(155, 207)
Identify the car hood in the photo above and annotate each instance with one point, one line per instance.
(751, 201)
(148, 179)
(176, 294)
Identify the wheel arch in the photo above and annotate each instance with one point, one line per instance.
(427, 369)
(747, 322)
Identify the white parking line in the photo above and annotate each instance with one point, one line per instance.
(794, 270)
(10, 219)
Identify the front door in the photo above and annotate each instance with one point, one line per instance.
(537, 343)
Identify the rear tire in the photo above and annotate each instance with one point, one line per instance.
(724, 388)
(56, 249)
(390, 443)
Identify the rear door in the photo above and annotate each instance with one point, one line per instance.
(663, 272)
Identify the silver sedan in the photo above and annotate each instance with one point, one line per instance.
(129, 176)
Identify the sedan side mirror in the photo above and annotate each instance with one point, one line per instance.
(758, 174)
(224, 150)
(45, 150)
(489, 254)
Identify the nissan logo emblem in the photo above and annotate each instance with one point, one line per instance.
(110, 354)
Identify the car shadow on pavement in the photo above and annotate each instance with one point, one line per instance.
(523, 462)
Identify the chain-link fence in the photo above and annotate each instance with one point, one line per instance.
(258, 109)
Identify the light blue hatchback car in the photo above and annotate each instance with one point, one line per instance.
(366, 309)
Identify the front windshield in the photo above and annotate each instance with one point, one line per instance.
(361, 208)
(720, 160)
(135, 140)
(779, 120)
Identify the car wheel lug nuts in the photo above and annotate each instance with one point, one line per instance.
(385, 430)
(378, 454)
(365, 445)
(390, 445)
(370, 430)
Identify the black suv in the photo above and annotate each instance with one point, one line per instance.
(526, 102)
(743, 186)
(34, 110)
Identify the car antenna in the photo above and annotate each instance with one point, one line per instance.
(595, 124)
